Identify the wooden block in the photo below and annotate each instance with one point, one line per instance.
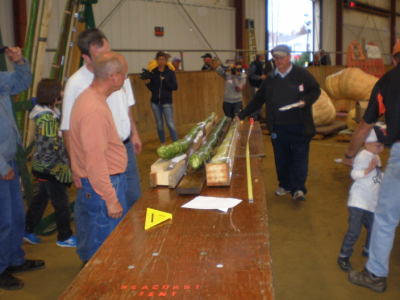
(192, 184)
(161, 176)
(218, 174)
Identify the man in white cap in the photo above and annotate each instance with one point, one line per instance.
(384, 101)
(289, 94)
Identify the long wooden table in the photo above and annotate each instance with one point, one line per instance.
(200, 254)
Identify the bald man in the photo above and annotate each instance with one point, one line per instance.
(98, 157)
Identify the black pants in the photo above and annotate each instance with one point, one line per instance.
(232, 109)
(57, 192)
(291, 148)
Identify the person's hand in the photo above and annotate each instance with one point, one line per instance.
(77, 181)
(238, 88)
(114, 209)
(215, 63)
(137, 143)
(372, 165)
(348, 161)
(15, 55)
(162, 77)
(9, 176)
(263, 76)
(302, 103)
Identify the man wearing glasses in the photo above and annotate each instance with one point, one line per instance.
(289, 93)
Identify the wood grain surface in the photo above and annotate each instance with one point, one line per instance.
(200, 254)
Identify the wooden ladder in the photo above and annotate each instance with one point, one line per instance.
(251, 40)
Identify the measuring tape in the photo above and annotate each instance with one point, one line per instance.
(248, 165)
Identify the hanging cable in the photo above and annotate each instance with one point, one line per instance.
(198, 29)
(118, 5)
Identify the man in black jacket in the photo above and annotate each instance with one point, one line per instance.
(289, 93)
(256, 76)
(162, 84)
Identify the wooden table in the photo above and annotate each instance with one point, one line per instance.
(198, 255)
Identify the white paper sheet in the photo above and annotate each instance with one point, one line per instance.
(203, 202)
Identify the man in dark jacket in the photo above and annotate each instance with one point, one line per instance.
(257, 72)
(256, 76)
(289, 93)
(207, 59)
(161, 85)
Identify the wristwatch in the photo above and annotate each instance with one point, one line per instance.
(348, 156)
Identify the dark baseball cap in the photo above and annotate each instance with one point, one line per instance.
(206, 55)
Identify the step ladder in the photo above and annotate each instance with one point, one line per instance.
(251, 43)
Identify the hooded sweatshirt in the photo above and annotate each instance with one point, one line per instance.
(49, 159)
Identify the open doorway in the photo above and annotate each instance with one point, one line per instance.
(291, 22)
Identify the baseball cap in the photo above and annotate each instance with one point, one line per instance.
(281, 50)
(206, 55)
(376, 135)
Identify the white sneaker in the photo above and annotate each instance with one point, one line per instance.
(299, 196)
(280, 191)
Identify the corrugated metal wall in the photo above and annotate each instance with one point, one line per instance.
(131, 26)
(255, 9)
(360, 26)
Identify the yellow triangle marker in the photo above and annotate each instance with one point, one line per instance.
(155, 217)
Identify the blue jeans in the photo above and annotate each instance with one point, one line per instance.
(93, 225)
(387, 216)
(357, 218)
(133, 191)
(161, 112)
(291, 148)
(12, 222)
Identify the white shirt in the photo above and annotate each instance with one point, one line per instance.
(365, 189)
(283, 75)
(118, 102)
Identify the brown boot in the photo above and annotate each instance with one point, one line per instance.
(369, 280)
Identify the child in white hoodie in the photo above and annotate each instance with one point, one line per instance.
(367, 176)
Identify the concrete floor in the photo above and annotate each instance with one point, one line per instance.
(305, 238)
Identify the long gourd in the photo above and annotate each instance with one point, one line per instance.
(202, 155)
(182, 145)
(222, 152)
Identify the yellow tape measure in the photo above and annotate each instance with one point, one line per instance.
(248, 164)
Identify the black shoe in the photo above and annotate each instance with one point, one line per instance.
(368, 280)
(344, 263)
(28, 265)
(9, 282)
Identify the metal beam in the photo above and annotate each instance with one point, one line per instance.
(339, 31)
(20, 22)
(392, 23)
(240, 11)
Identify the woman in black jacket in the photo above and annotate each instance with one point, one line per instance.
(161, 85)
